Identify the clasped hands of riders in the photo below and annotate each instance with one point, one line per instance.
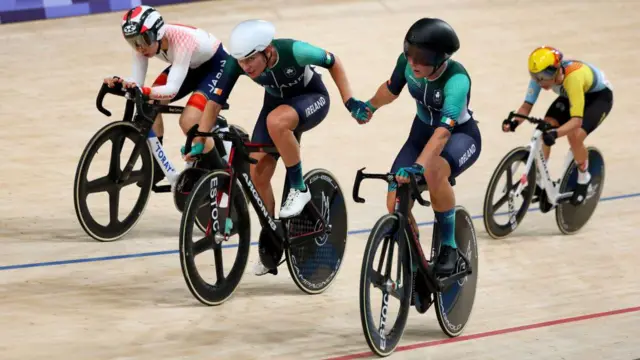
(362, 112)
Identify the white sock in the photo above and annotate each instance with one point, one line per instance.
(584, 176)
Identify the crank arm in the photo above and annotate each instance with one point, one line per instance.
(563, 198)
(446, 282)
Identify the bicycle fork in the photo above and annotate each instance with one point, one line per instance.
(160, 156)
(523, 181)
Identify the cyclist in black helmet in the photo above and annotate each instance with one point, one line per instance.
(444, 140)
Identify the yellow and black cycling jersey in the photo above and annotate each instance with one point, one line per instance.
(580, 78)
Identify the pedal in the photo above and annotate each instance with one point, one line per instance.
(580, 194)
(274, 271)
(161, 188)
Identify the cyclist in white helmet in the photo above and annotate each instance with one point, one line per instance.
(196, 60)
(295, 100)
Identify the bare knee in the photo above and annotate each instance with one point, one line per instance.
(276, 125)
(190, 116)
(576, 138)
(281, 119)
(436, 174)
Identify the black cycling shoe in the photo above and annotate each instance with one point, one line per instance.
(580, 193)
(446, 261)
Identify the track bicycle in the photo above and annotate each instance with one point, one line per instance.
(521, 186)
(135, 131)
(313, 243)
(410, 277)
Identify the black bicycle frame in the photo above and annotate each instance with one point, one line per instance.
(238, 156)
(403, 199)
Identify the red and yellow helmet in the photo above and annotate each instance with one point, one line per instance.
(545, 61)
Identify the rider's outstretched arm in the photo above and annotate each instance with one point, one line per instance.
(533, 91)
(308, 54)
(383, 96)
(339, 76)
(390, 90)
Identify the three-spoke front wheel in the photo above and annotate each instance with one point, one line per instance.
(212, 263)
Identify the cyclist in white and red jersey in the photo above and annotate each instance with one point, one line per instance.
(197, 59)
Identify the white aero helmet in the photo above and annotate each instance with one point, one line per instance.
(250, 37)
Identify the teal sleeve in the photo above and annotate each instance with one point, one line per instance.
(532, 92)
(307, 54)
(397, 80)
(456, 93)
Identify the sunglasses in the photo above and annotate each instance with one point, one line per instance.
(547, 74)
(141, 41)
(419, 55)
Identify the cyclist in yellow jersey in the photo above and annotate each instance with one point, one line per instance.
(585, 99)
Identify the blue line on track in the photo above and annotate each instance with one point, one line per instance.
(171, 252)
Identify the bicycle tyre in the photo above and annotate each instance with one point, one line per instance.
(382, 342)
(221, 291)
(112, 231)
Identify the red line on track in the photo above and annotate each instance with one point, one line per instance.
(494, 332)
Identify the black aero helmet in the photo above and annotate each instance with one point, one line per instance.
(431, 41)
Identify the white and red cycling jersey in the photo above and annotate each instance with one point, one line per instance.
(189, 47)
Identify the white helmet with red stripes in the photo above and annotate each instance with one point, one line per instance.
(142, 26)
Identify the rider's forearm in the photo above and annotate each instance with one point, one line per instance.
(382, 96)
(434, 147)
(340, 78)
(569, 126)
(525, 109)
(208, 119)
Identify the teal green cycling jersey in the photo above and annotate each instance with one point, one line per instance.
(289, 76)
(443, 101)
